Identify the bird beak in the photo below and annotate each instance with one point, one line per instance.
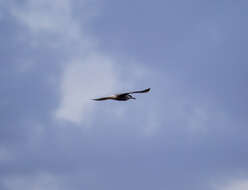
(134, 98)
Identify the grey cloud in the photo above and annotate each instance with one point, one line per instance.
(195, 113)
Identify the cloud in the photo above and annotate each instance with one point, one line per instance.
(33, 182)
(86, 72)
(92, 76)
(148, 142)
(84, 79)
(48, 16)
(234, 184)
(53, 23)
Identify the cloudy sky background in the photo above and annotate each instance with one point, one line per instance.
(189, 132)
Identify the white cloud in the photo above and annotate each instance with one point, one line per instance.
(83, 80)
(53, 22)
(33, 182)
(40, 16)
(234, 185)
(87, 73)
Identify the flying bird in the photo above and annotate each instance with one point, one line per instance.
(123, 96)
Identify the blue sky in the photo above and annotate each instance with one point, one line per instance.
(189, 132)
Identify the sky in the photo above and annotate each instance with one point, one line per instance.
(189, 132)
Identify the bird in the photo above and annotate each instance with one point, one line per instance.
(123, 96)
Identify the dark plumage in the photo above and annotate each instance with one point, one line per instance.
(123, 96)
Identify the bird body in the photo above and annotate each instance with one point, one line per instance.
(123, 96)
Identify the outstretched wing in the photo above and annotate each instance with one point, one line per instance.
(132, 92)
(141, 91)
(104, 98)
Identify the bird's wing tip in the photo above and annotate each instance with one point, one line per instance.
(147, 90)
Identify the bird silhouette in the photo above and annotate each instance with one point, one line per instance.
(123, 96)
